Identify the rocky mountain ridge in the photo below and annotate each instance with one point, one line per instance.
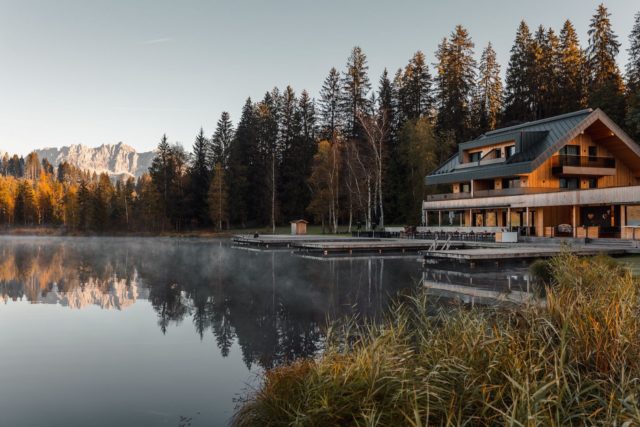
(115, 159)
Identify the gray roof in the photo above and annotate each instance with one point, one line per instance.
(535, 142)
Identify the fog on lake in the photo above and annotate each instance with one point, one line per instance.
(114, 331)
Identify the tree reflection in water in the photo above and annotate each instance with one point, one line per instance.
(274, 305)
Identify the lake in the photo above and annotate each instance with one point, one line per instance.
(152, 332)
(172, 332)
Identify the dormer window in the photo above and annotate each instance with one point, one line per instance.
(475, 157)
(510, 151)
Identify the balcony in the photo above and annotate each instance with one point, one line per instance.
(569, 165)
(517, 191)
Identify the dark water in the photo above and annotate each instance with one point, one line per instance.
(169, 332)
(164, 332)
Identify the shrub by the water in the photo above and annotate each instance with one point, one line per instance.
(572, 360)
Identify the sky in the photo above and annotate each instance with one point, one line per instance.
(98, 72)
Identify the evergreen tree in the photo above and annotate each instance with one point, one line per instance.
(455, 84)
(519, 91)
(355, 88)
(546, 54)
(199, 178)
(330, 121)
(84, 213)
(167, 172)
(242, 163)
(571, 72)
(488, 105)
(269, 160)
(26, 209)
(606, 88)
(416, 99)
(633, 82)
(221, 140)
(218, 198)
(100, 203)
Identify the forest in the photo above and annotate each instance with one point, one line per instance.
(354, 156)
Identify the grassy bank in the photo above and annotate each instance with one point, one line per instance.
(572, 361)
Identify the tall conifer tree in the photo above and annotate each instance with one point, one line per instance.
(355, 87)
(633, 82)
(488, 105)
(572, 71)
(606, 88)
(199, 178)
(416, 95)
(518, 91)
(221, 140)
(330, 120)
(456, 84)
(242, 163)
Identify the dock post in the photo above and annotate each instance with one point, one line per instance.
(439, 218)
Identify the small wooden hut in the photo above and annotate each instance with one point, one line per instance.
(299, 226)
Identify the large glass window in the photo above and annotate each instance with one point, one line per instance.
(510, 151)
(633, 215)
(475, 157)
(569, 183)
(570, 150)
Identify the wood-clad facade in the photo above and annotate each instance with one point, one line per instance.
(572, 175)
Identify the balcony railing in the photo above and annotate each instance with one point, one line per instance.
(560, 161)
(517, 191)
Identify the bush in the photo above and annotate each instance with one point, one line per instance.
(572, 359)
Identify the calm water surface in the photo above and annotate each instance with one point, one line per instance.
(154, 332)
(169, 332)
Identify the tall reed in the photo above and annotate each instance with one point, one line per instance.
(572, 361)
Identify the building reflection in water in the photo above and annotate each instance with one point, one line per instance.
(486, 285)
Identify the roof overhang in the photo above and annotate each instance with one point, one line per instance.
(603, 130)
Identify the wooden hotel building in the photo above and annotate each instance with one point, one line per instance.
(574, 175)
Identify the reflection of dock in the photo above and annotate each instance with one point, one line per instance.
(519, 252)
(478, 295)
(489, 286)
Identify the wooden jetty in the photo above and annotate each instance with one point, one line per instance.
(273, 241)
(432, 250)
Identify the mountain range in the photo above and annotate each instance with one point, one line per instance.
(118, 160)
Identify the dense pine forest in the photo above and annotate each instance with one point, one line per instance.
(357, 154)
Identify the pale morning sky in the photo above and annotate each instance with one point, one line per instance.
(96, 72)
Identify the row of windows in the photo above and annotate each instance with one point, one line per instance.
(497, 153)
(574, 183)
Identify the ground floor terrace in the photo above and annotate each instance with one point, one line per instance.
(592, 213)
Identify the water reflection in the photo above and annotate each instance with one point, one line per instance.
(486, 285)
(273, 304)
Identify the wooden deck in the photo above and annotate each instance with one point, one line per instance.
(434, 251)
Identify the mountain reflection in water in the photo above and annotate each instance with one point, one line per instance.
(147, 331)
(273, 304)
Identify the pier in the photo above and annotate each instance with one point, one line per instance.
(434, 251)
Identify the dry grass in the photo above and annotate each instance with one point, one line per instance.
(573, 361)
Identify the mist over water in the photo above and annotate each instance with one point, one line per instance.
(114, 331)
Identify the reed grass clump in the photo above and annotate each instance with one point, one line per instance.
(574, 360)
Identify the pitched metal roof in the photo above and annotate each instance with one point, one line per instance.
(535, 142)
